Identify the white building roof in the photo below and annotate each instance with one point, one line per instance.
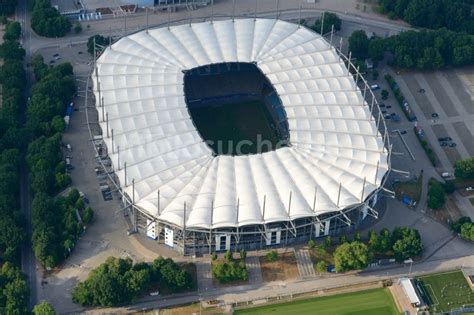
(410, 292)
(334, 143)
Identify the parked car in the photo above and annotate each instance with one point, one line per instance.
(470, 188)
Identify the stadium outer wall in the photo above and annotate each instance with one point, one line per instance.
(191, 241)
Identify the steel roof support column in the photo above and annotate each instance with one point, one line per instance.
(134, 211)
(113, 150)
(376, 173)
(118, 157)
(184, 229)
(158, 204)
(107, 123)
(125, 171)
(363, 190)
(332, 32)
(322, 24)
(210, 227)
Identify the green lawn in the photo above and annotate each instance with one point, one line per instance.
(446, 291)
(370, 302)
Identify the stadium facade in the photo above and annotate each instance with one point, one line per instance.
(325, 180)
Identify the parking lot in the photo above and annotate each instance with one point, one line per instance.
(444, 104)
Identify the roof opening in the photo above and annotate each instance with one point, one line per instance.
(235, 109)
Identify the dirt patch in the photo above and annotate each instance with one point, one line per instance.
(448, 213)
(284, 268)
(411, 189)
(186, 310)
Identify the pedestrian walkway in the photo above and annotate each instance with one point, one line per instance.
(305, 264)
(253, 267)
(204, 276)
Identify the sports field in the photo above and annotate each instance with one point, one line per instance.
(446, 291)
(370, 302)
(227, 126)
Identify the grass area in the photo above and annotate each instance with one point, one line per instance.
(446, 291)
(411, 189)
(370, 302)
(284, 268)
(228, 125)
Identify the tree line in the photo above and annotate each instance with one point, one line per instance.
(423, 50)
(118, 281)
(56, 227)
(452, 14)
(402, 243)
(14, 291)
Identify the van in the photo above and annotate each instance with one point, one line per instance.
(445, 175)
(374, 87)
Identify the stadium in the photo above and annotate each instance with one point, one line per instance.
(239, 133)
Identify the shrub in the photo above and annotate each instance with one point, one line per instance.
(271, 256)
(214, 256)
(243, 254)
(230, 270)
(311, 244)
(87, 215)
(456, 225)
(328, 241)
(321, 266)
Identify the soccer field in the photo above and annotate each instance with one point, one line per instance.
(446, 291)
(371, 302)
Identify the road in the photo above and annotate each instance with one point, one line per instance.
(232, 295)
(28, 260)
(130, 24)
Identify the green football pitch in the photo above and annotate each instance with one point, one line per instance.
(371, 302)
(226, 126)
(446, 291)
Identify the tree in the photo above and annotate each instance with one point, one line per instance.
(456, 225)
(311, 244)
(384, 241)
(328, 241)
(467, 231)
(87, 215)
(358, 237)
(44, 308)
(376, 49)
(351, 256)
(330, 19)
(11, 50)
(464, 168)
(373, 241)
(7, 7)
(321, 266)
(46, 20)
(12, 31)
(343, 239)
(359, 44)
(406, 243)
(436, 195)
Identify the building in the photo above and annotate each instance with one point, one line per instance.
(325, 178)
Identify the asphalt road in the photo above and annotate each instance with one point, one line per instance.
(28, 260)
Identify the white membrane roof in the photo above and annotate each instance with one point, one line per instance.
(334, 143)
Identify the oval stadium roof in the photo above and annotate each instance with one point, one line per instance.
(334, 143)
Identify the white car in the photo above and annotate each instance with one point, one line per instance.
(156, 293)
(469, 188)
